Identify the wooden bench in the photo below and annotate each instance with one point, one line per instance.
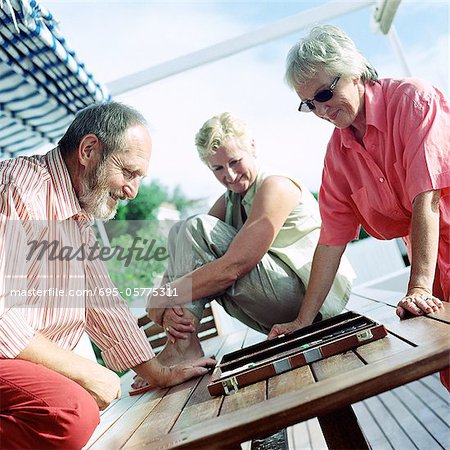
(186, 416)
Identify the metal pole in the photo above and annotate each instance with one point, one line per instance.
(397, 46)
(230, 47)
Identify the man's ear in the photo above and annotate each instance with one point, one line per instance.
(89, 150)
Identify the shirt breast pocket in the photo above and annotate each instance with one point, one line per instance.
(386, 222)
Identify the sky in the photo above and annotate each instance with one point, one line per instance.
(115, 39)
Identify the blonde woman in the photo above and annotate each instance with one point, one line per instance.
(252, 252)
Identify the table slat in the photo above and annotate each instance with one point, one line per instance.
(335, 365)
(313, 400)
(418, 330)
(164, 415)
(382, 348)
(201, 405)
(289, 381)
(391, 298)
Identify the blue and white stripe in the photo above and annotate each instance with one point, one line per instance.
(42, 83)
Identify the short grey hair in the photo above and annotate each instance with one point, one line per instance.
(328, 49)
(219, 129)
(108, 121)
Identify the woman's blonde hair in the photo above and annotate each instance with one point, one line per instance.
(219, 129)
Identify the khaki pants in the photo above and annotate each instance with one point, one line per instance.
(270, 293)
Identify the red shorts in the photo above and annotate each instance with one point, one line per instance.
(41, 409)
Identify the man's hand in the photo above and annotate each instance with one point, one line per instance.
(283, 328)
(189, 369)
(162, 376)
(103, 384)
(175, 325)
(417, 302)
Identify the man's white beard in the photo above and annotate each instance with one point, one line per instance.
(95, 193)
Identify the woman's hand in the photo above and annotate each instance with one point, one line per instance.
(156, 307)
(175, 325)
(156, 314)
(283, 328)
(418, 301)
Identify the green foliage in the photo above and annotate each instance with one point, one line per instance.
(143, 259)
(136, 225)
(146, 203)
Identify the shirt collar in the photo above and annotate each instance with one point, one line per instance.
(66, 201)
(375, 105)
(375, 109)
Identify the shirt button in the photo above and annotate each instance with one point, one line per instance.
(381, 180)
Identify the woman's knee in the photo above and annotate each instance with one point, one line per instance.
(199, 223)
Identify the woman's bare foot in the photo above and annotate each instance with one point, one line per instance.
(181, 350)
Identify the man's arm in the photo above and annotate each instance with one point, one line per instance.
(102, 383)
(157, 375)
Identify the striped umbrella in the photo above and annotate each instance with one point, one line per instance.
(42, 82)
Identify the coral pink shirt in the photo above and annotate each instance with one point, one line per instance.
(405, 151)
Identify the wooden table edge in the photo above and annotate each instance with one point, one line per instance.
(288, 409)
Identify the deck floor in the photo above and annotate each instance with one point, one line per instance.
(414, 416)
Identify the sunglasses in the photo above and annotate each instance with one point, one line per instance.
(322, 96)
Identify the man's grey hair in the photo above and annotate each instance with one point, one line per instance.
(326, 49)
(217, 130)
(108, 121)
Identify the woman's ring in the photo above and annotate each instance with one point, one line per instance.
(168, 328)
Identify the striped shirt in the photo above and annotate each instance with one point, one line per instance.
(41, 288)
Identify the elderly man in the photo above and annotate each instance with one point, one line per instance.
(50, 396)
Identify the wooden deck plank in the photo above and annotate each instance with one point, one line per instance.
(315, 435)
(360, 304)
(298, 437)
(115, 410)
(371, 427)
(407, 422)
(119, 433)
(391, 298)
(434, 383)
(111, 416)
(431, 395)
(418, 330)
(437, 430)
(388, 423)
(248, 396)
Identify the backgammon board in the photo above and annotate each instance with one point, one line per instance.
(286, 352)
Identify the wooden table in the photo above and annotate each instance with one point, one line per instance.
(187, 417)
